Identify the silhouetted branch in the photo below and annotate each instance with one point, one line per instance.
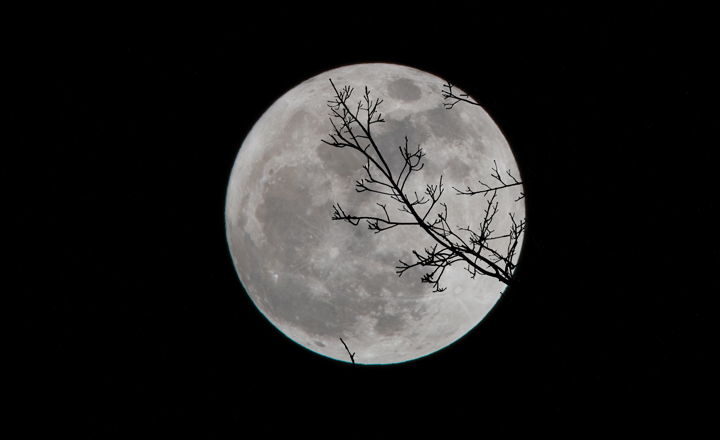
(496, 176)
(448, 94)
(352, 356)
(349, 126)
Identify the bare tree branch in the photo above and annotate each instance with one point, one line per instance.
(352, 356)
(496, 176)
(349, 127)
(448, 94)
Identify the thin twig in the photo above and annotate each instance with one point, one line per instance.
(352, 356)
(448, 94)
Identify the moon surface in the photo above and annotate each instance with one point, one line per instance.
(319, 280)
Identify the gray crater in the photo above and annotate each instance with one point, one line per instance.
(404, 89)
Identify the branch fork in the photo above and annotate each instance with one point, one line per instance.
(352, 128)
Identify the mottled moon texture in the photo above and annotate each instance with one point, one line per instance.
(319, 280)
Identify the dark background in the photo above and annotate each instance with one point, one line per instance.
(119, 146)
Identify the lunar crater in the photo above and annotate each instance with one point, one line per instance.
(405, 90)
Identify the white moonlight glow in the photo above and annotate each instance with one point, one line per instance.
(319, 280)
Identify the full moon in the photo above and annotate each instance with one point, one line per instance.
(319, 280)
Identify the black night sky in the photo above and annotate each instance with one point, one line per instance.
(134, 320)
